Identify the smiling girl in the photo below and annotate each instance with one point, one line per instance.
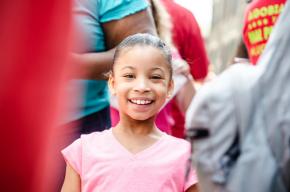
(134, 156)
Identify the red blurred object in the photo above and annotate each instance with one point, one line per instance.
(189, 42)
(258, 25)
(34, 44)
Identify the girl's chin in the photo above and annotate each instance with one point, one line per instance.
(141, 117)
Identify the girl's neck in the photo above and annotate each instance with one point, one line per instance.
(136, 127)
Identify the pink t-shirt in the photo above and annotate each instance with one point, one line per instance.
(105, 165)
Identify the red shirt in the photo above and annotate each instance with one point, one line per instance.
(189, 42)
(187, 39)
(260, 17)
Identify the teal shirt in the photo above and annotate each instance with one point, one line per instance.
(89, 15)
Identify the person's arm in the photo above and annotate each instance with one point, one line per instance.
(94, 65)
(241, 52)
(72, 181)
(192, 47)
(193, 188)
(117, 30)
(185, 95)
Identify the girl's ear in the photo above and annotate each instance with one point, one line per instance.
(170, 89)
(111, 83)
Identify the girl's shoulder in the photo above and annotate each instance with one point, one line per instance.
(174, 149)
(177, 142)
(96, 137)
(96, 134)
(89, 147)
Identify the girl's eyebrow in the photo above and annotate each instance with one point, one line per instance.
(127, 67)
(157, 68)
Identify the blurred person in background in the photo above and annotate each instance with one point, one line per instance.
(259, 20)
(190, 45)
(35, 41)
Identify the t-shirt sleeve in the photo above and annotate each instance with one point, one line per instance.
(73, 155)
(191, 46)
(191, 180)
(113, 10)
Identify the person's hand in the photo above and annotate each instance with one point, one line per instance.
(93, 65)
(180, 66)
(210, 76)
(241, 60)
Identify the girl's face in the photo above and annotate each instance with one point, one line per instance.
(141, 81)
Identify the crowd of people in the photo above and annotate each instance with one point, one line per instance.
(125, 121)
(137, 65)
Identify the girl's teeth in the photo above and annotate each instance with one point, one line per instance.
(141, 102)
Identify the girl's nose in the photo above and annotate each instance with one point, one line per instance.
(142, 85)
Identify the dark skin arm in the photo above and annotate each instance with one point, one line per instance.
(116, 31)
(95, 65)
(193, 188)
(241, 51)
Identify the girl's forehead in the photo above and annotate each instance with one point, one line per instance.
(141, 53)
(142, 57)
(137, 48)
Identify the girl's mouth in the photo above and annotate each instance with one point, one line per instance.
(141, 101)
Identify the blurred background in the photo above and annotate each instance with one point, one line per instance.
(35, 41)
(221, 25)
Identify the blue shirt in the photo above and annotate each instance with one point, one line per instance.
(89, 15)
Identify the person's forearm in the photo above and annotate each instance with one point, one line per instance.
(192, 188)
(93, 65)
(241, 51)
(185, 96)
(141, 22)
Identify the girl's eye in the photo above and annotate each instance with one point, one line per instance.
(129, 76)
(156, 77)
